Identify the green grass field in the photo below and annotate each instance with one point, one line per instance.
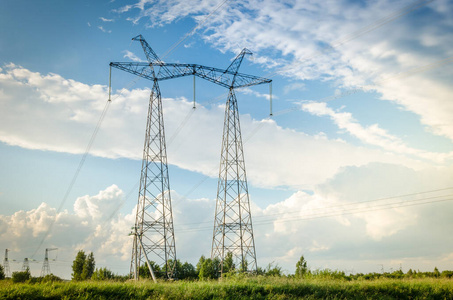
(245, 288)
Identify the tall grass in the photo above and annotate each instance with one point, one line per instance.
(236, 288)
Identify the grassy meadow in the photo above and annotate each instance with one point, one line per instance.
(235, 288)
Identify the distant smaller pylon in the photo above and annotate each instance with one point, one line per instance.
(26, 265)
(6, 265)
(46, 266)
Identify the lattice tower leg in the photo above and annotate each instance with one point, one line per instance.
(233, 230)
(45, 268)
(154, 219)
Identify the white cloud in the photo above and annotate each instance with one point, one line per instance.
(104, 30)
(373, 134)
(362, 217)
(70, 231)
(166, 11)
(132, 56)
(330, 226)
(98, 207)
(106, 20)
(297, 86)
(350, 44)
(58, 114)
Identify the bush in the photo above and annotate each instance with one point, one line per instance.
(21, 276)
(2, 273)
(209, 269)
(447, 274)
(102, 274)
(51, 278)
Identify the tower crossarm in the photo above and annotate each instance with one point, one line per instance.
(226, 78)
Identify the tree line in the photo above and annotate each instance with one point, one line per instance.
(83, 268)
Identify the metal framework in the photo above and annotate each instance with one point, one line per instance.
(6, 264)
(46, 266)
(154, 220)
(233, 230)
(26, 265)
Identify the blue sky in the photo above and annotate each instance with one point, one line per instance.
(353, 171)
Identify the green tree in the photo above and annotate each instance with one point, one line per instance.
(210, 269)
(301, 267)
(2, 273)
(77, 265)
(21, 276)
(436, 272)
(102, 274)
(51, 278)
(200, 263)
(273, 271)
(228, 263)
(143, 271)
(184, 270)
(188, 271)
(88, 267)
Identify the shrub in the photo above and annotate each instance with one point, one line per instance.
(21, 276)
(51, 278)
(301, 267)
(2, 272)
(447, 274)
(102, 274)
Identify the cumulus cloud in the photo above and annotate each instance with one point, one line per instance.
(364, 216)
(96, 224)
(59, 114)
(69, 231)
(344, 223)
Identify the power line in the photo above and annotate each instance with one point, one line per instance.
(327, 214)
(76, 174)
(423, 68)
(101, 119)
(358, 203)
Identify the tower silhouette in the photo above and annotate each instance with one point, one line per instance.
(6, 264)
(153, 231)
(26, 265)
(233, 230)
(46, 266)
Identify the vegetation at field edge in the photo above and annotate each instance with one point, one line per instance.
(258, 287)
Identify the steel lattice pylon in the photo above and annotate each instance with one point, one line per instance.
(153, 231)
(6, 264)
(233, 231)
(26, 265)
(46, 266)
(154, 219)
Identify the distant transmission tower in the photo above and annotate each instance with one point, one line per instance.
(46, 266)
(6, 264)
(26, 265)
(153, 230)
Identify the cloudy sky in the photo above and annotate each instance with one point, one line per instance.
(354, 170)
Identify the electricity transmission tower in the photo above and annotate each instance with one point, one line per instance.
(6, 264)
(233, 230)
(153, 230)
(26, 265)
(46, 266)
